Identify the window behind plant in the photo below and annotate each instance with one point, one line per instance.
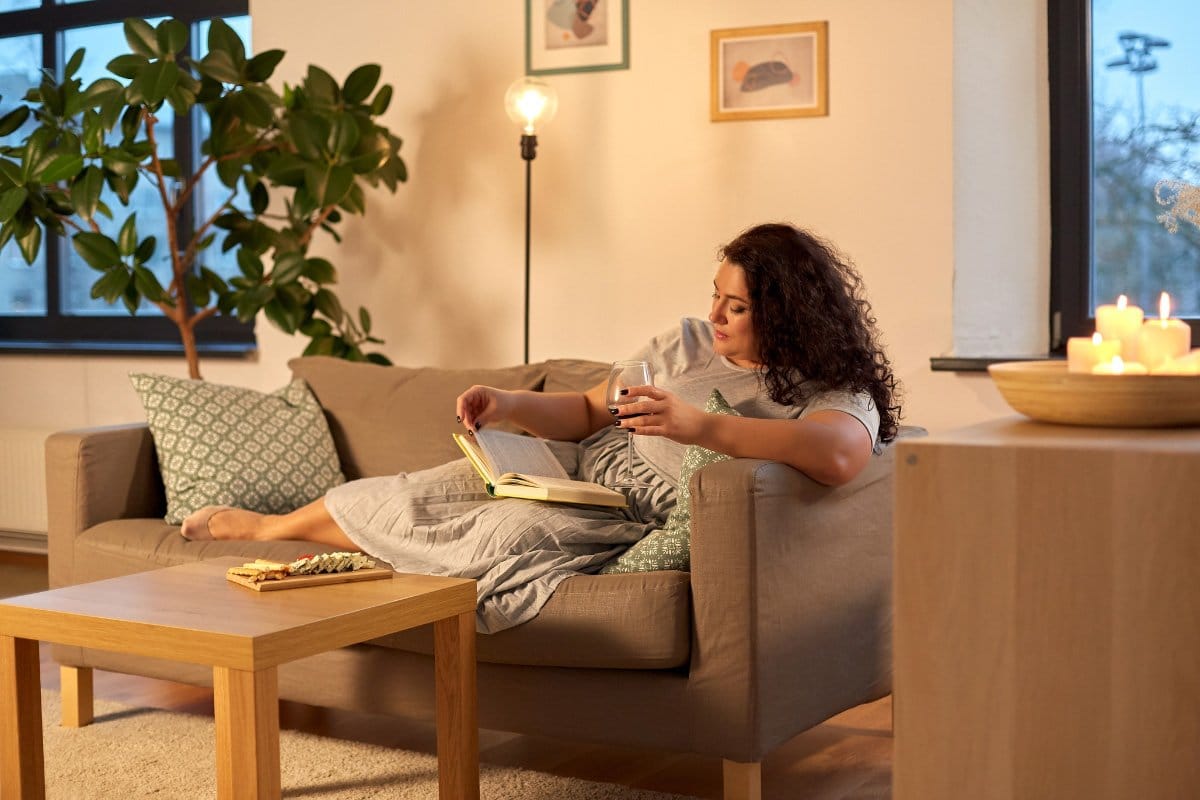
(1125, 130)
(49, 303)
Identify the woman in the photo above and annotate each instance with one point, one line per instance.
(789, 341)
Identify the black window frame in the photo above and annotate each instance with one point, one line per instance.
(1069, 34)
(122, 333)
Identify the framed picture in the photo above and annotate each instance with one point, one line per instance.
(770, 71)
(576, 36)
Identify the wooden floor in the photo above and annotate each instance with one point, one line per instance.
(847, 758)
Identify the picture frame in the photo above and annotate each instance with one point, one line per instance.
(576, 36)
(770, 72)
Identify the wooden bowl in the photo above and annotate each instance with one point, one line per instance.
(1046, 391)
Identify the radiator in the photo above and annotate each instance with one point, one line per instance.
(23, 480)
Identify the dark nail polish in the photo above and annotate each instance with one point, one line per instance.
(470, 433)
(478, 425)
(617, 424)
(624, 391)
(458, 419)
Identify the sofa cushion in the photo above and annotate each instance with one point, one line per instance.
(397, 419)
(670, 548)
(610, 621)
(229, 445)
(574, 375)
(639, 621)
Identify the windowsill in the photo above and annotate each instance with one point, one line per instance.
(50, 348)
(979, 363)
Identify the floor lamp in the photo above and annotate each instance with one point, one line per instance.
(529, 102)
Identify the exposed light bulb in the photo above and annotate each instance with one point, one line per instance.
(530, 102)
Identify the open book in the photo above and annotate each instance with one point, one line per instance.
(523, 466)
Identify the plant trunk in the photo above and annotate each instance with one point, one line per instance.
(188, 334)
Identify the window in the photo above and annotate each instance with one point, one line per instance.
(1124, 119)
(47, 306)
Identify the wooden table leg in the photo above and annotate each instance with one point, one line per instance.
(457, 709)
(22, 765)
(76, 684)
(246, 712)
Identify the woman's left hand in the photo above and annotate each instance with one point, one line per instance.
(663, 414)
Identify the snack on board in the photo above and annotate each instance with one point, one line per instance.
(330, 562)
(262, 570)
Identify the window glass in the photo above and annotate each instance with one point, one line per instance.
(211, 193)
(22, 287)
(102, 43)
(1145, 130)
(17, 5)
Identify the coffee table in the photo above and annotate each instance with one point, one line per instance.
(191, 613)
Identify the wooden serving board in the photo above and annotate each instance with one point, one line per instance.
(298, 581)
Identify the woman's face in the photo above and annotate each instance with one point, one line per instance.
(731, 316)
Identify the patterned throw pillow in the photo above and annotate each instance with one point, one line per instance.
(670, 548)
(225, 445)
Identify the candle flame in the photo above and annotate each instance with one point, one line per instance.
(1118, 365)
(1164, 306)
(1097, 338)
(1122, 301)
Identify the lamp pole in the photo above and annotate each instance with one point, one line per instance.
(529, 101)
(528, 153)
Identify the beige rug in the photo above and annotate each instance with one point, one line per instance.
(147, 753)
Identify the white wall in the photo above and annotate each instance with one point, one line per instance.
(634, 189)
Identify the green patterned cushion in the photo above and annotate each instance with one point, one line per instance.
(669, 548)
(224, 445)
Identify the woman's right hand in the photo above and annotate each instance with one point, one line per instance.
(483, 405)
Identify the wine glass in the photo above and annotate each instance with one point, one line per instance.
(622, 376)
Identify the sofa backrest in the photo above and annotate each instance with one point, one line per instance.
(386, 420)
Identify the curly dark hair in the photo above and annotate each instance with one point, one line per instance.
(812, 320)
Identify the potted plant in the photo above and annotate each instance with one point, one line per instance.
(293, 162)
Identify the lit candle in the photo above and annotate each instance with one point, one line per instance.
(1119, 367)
(1163, 339)
(1121, 322)
(1084, 353)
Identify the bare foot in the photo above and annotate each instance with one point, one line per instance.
(235, 523)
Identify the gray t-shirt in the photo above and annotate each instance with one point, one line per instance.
(684, 362)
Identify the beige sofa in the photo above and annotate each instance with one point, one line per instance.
(783, 621)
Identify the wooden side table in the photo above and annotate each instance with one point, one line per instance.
(1047, 629)
(191, 613)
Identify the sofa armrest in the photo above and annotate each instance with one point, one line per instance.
(94, 475)
(791, 588)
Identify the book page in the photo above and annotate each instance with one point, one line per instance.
(509, 452)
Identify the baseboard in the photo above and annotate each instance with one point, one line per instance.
(23, 542)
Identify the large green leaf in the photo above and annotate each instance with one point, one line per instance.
(329, 305)
(254, 110)
(99, 251)
(101, 90)
(260, 198)
(343, 135)
(63, 166)
(127, 65)
(145, 250)
(309, 134)
(11, 200)
(320, 86)
(287, 170)
(279, 316)
(250, 264)
(140, 37)
(219, 66)
(320, 271)
(157, 80)
(11, 172)
(355, 201)
(288, 268)
(198, 291)
(73, 63)
(34, 152)
(127, 238)
(119, 162)
(263, 65)
(85, 192)
(112, 284)
(223, 38)
(382, 100)
(340, 180)
(170, 36)
(361, 82)
(30, 242)
(147, 284)
(13, 120)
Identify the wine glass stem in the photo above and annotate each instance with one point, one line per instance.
(629, 456)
